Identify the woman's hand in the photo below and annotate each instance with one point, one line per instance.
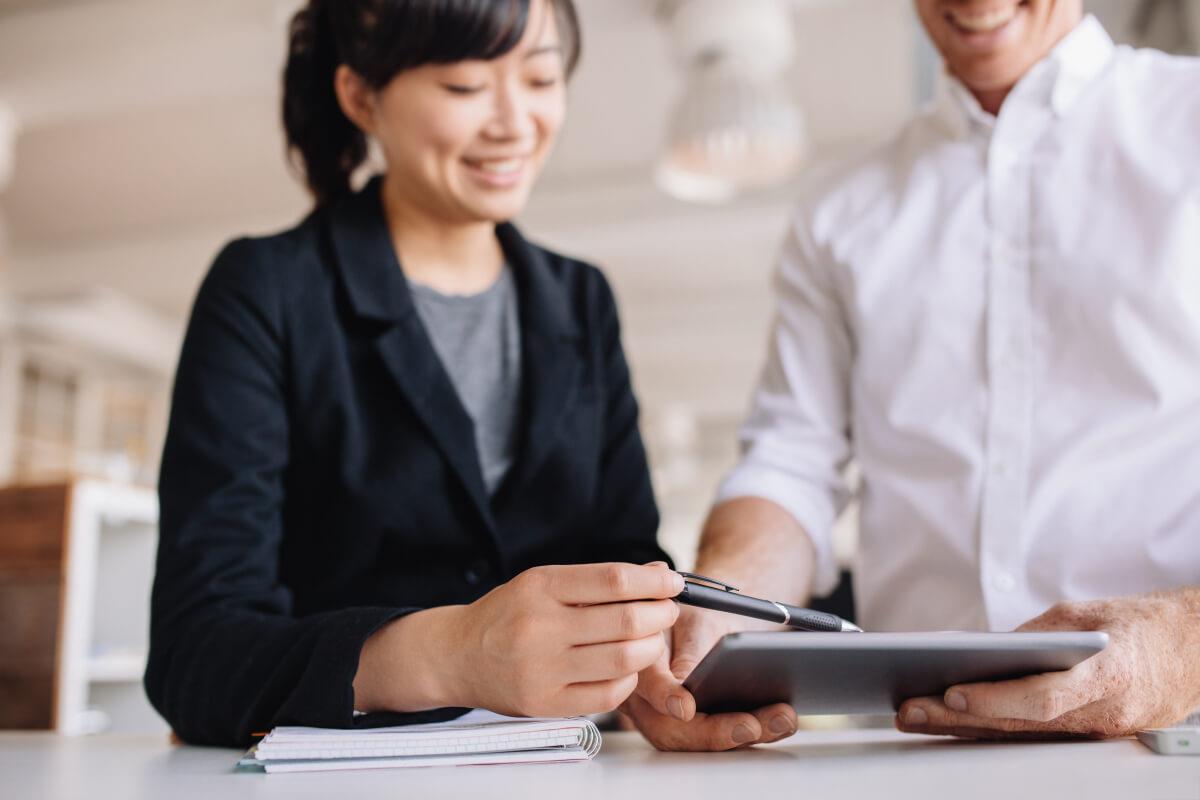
(553, 641)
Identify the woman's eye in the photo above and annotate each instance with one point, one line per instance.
(458, 88)
(543, 83)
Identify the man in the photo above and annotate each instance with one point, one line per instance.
(997, 316)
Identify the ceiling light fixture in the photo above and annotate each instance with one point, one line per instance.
(736, 126)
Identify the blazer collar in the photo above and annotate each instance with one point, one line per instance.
(551, 358)
(376, 287)
(366, 259)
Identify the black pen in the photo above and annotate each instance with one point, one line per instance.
(707, 593)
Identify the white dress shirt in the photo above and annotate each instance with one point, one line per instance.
(998, 320)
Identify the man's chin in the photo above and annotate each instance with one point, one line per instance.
(988, 76)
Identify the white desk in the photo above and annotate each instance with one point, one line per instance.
(810, 765)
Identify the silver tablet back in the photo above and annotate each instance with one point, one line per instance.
(871, 673)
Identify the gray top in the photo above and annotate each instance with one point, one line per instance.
(478, 339)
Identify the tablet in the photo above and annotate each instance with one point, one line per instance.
(871, 673)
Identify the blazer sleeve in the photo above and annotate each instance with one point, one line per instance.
(626, 516)
(227, 656)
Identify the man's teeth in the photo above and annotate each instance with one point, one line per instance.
(984, 21)
(499, 167)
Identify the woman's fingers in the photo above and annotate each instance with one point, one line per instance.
(595, 697)
(587, 584)
(617, 622)
(574, 637)
(611, 660)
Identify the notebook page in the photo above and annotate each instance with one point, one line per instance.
(531, 757)
(477, 737)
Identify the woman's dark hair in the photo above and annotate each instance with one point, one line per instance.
(378, 39)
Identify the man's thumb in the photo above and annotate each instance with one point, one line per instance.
(661, 689)
(691, 643)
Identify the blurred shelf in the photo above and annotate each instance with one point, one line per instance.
(76, 568)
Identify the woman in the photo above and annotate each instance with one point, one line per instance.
(388, 420)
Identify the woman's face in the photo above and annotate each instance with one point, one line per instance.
(465, 141)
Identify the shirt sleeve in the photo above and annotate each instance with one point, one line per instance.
(795, 442)
(227, 655)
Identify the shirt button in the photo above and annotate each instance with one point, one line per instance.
(1004, 582)
(475, 573)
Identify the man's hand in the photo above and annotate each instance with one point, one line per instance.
(665, 712)
(1148, 676)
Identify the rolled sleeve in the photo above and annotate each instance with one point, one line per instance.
(812, 511)
(795, 442)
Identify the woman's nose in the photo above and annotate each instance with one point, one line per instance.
(513, 118)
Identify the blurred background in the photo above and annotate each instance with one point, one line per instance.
(137, 136)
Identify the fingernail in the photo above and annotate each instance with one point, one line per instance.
(675, 706)
(656, 563)
(743, 734)
(916, 716)
(780, 724)
(956, 700)
(677, 580)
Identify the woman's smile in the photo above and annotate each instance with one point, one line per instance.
(498, 173)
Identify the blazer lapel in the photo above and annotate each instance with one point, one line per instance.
(551, 358)
(378, 290)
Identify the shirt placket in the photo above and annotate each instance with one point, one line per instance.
(1008, 351)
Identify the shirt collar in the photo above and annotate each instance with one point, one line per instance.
(1058, 79)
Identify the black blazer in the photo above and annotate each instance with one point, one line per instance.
(320, 476)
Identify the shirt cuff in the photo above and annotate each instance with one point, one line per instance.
(815, 515)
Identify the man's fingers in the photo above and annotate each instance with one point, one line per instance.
(777, 722)
(663, 691)
(1038, 698)
(703, 733)
(586, 584)
(929, 715)
(615, 622)
(692, 637)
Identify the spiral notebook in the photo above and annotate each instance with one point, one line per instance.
(478, 737)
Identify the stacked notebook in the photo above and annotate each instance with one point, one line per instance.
(479, 737)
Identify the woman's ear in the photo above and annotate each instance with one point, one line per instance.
(355, 97)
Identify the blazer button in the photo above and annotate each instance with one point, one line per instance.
(475, 573)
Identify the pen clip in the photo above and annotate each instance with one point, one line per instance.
(714, 583)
